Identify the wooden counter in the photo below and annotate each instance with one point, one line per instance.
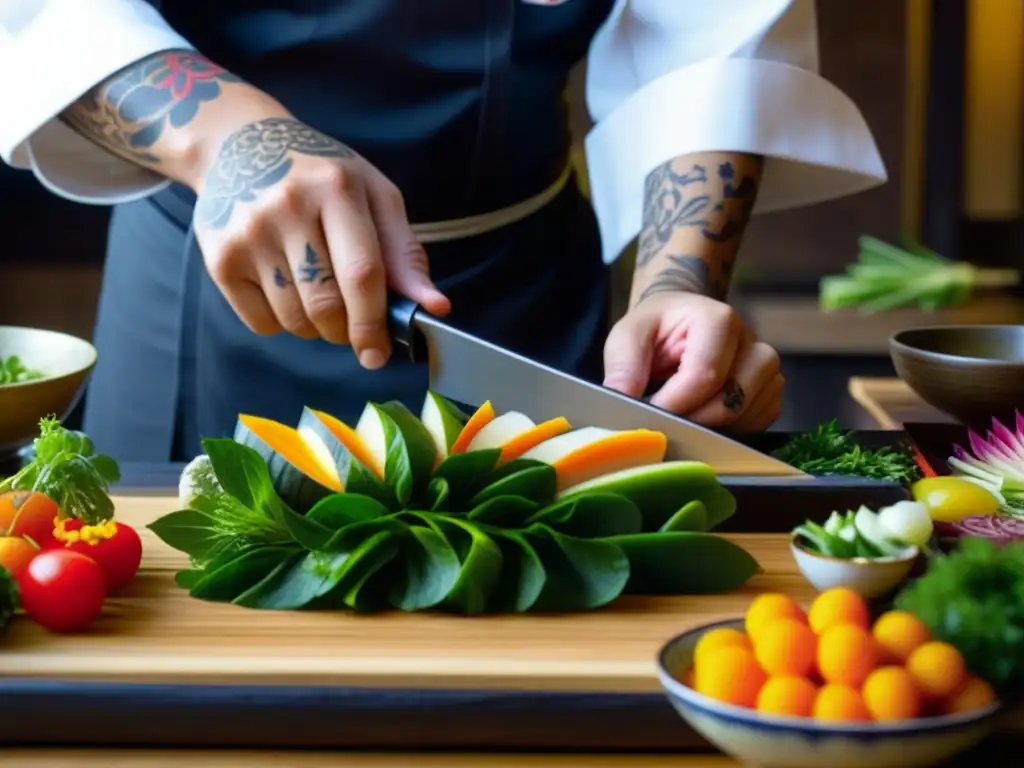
(156, 633)
(171, 671)
(892, 403)
(796, 325)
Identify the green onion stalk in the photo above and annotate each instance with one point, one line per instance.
(887, 277)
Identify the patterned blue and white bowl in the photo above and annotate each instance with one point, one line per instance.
(772, 740)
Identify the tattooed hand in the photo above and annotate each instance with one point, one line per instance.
(711, 368)
(298, 231)
(302, 234)
(679, 330)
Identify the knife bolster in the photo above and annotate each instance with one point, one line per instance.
(402, 328)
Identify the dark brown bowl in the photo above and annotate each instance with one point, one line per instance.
(971, 372)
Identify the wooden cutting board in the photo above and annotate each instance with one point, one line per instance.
(892, 403)
(156, 633)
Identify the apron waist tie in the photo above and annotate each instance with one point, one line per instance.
(482, 223)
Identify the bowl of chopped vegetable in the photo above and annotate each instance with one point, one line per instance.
(42, 373)
(868, 552)
(971, 372)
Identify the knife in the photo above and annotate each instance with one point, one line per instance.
(469, 370)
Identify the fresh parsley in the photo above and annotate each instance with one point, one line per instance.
(828, 450)
(974, 600)
(66, 467)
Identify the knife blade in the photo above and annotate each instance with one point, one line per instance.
(472, 371)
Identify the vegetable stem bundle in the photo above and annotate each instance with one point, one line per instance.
(887, 277)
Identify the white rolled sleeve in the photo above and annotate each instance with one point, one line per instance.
(668, 78)
(54, 51)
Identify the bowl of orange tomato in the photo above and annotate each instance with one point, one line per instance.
(827, 686)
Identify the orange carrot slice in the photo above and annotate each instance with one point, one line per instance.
(524, 441)
(591, 452)
(484, 415)
(271, 437)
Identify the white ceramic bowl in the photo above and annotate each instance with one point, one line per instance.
(868, 578)
(772, 740)
(66, 362)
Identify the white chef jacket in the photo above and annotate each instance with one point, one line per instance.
(665, 78)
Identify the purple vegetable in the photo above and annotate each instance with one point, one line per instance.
(995, 462)
(999, 529)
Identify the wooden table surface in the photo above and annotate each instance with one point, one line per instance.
(892, 403)
(157, 633)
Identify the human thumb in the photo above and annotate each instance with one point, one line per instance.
(628, 354)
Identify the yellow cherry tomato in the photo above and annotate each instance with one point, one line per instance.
(950, 499)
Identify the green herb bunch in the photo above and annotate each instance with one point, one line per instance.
(887, 277)
(66, 467)
(480, 538)
(974, 600)
(828, 450)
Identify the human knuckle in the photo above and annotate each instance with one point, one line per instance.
(365, 331)
(288, 199)
(340, 177)
(728, 317)
(225, 261)
(362, 273)
(707, 377)
(771, 360)
(324, 305)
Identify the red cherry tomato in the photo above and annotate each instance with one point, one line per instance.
(119, 555)
(62, 590)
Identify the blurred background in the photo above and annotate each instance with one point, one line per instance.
(940, 82)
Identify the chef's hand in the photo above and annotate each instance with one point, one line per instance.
(714, 370)
(302, 234)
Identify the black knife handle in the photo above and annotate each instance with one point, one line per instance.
(401, 312)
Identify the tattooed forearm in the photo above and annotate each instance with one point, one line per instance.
(698, 206)
(671, 200)
(133, 109)
(689, 274)
(255, 157)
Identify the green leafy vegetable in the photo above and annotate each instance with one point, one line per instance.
(66, 467)
(886, 277)
(974, 600)
(470, 536)
(13, 371)
(828, 450)
(852, 535)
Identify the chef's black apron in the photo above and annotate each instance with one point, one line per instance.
(461, 104)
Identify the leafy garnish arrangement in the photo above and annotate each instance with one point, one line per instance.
(996, 463)
(13, 371)
(974, 599)
(887, 277)
(66, 467)
(828, 450)
(479, 536)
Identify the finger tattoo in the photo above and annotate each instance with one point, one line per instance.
(733, 395)
(313, 269)
(281, 280)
